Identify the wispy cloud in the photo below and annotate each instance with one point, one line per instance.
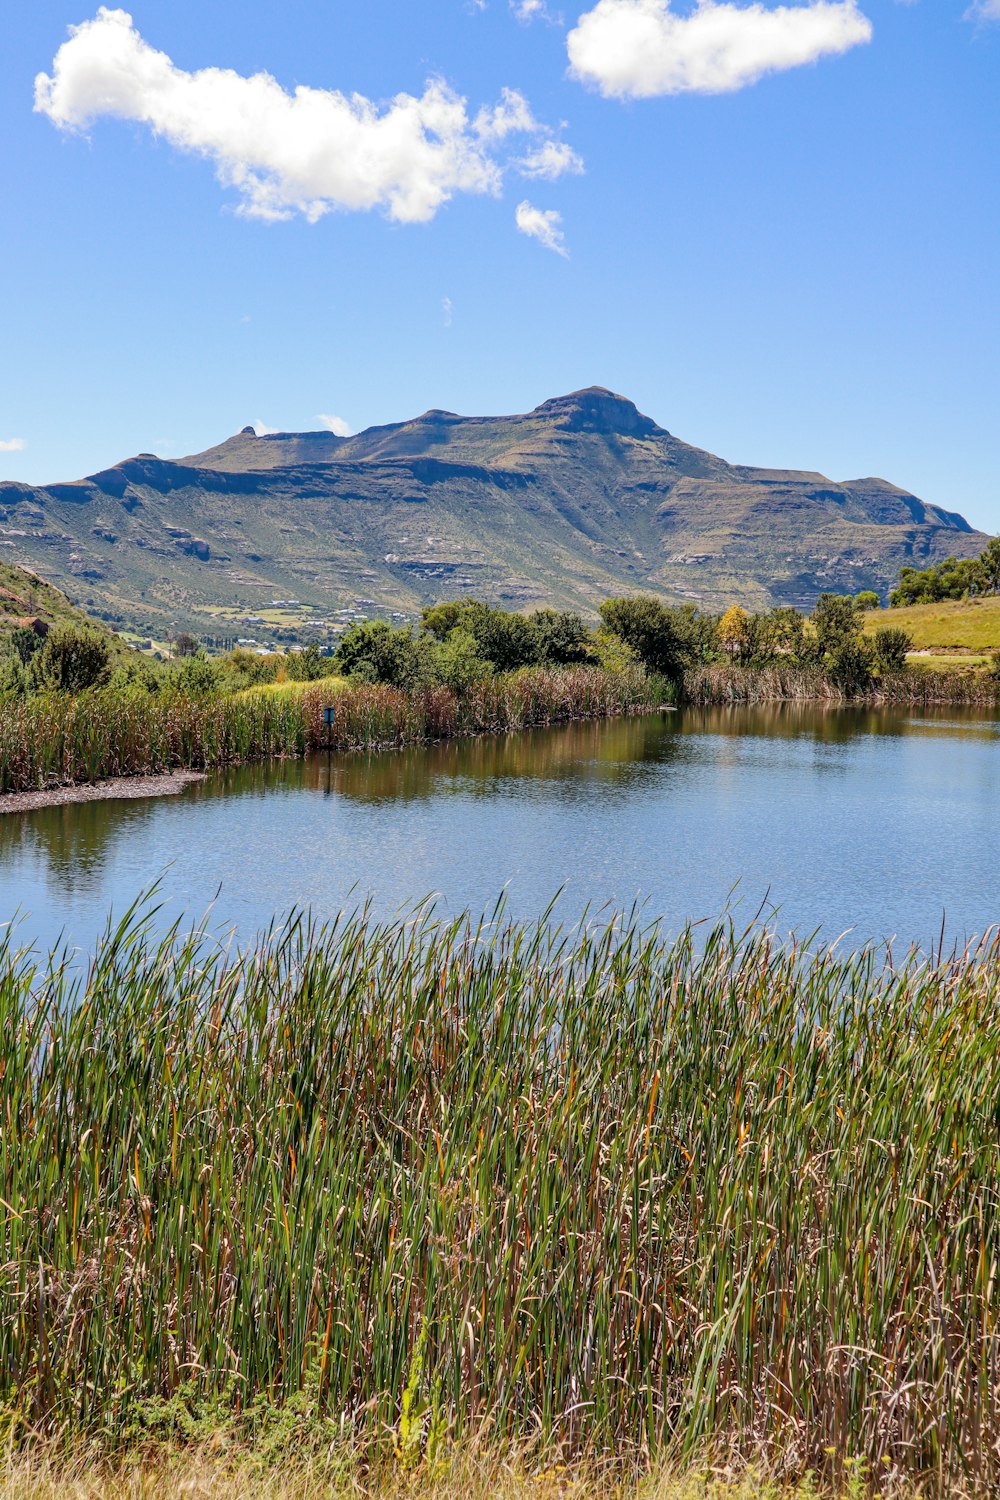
(530, 10)
(336, 425)
(303, 152)
(262, 429)
(642, 48)
(983, 10)
(550, 160)
(12, 445)
(447, 310)
(541, 224)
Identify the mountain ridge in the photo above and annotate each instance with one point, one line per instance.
(581, 497)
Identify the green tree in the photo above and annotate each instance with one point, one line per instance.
(561, 636)
(867, 599)
(504, 639)
(697, 632)
(457, 663)
(788, 632)
(840, 644)
(136, 676)
(442, 619)
(990, 564)
(955, 578)
(645, 625)
(507, 640)
(375, 651)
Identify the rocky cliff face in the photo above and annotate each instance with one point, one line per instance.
(582, 497)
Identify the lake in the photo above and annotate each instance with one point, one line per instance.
(880, 822)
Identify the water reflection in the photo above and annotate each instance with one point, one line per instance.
(813, 804)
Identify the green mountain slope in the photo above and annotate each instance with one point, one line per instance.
(27, 600)
(580, 498)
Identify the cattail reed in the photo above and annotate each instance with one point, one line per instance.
(594, 1185)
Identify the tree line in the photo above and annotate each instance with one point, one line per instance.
(955, 578)
(464, 641)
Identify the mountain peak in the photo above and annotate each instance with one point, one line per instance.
(596, 409)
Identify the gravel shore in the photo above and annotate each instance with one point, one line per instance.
(101, 791)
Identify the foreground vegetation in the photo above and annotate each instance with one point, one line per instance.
(401, 1187)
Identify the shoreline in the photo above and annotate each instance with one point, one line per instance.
(116, 788)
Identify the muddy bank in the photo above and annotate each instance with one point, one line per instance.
(101, 791)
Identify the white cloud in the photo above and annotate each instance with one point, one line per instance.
(336, 425)
(530, 10)
(542, 224)
(550, 160)
(307, 152)
(641, 48)
(262, 429)
(447, 309)
(983, 10)
(12, 445)
(512, 116)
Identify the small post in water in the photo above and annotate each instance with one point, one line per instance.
(329, 719)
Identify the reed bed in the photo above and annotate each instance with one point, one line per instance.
(590, 1189)
(55, 740)
(718, 685)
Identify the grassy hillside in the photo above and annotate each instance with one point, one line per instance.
(24, 597)
(951, 627)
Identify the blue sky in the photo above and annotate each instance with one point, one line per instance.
(798, 269)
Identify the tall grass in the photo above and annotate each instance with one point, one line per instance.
(590, 1186)
(56, 740)
(711, 685)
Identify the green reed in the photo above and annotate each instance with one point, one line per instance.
(56, 740)
(591, 1184)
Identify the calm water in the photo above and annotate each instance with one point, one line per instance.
(880, 822)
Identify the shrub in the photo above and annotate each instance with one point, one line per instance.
(196, 676)
(71, 661)
(891, 646)
(307, 665)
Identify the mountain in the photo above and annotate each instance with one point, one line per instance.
(580, 498)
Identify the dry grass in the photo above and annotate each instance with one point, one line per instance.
(209, 1475)
(331, 684)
